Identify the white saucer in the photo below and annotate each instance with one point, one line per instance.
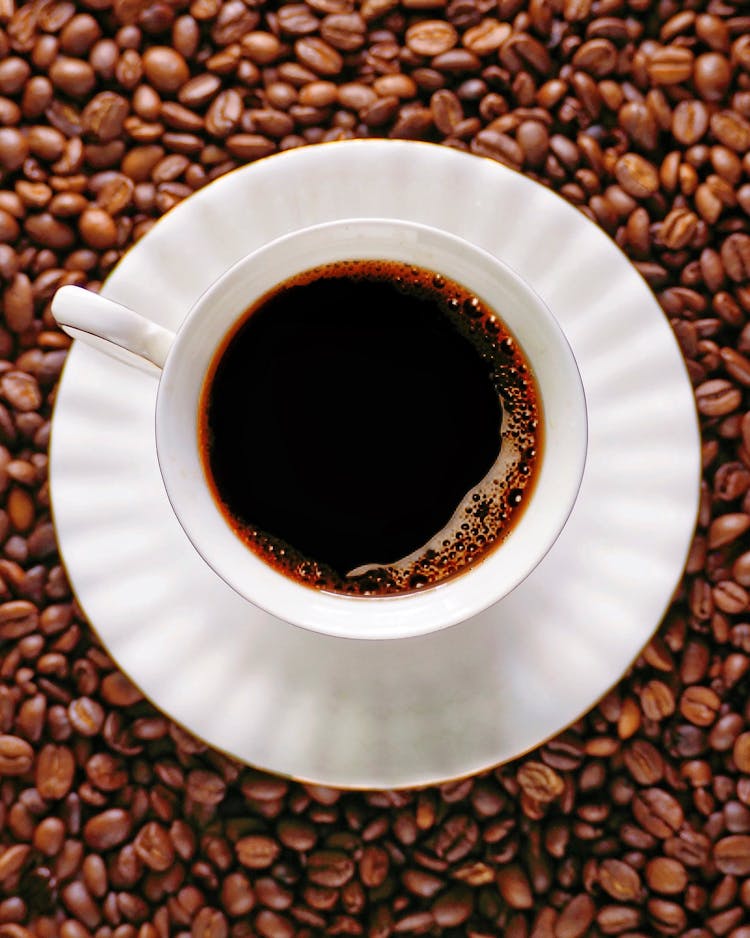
(392, 713)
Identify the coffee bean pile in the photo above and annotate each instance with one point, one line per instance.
(114, 822)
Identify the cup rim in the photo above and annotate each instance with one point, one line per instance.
(339, 615)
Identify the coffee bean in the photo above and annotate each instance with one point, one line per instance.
(318, 55)
(671, 65)
(642, 121)
(118, 691)
(636, 175)
(732, 855)
(431, 37)
(717, 398)
(644, 762)
(639, 122)
(731, 129)
(666, 876)
(689, 846)
(456, 838)
(250, 146)
(165, 68)
(205, 787)
(575, 917)
(668, 917)
(16, 755)
(678, 229)
(48, 232)
(74, 77)
(97, 229)
(422, 884)
(257, 851)
(514, 887)
(374, 865)
(344, 31)
(20, 390)
(153, 846)
(487, 36)
(18, 301)
(619, 880)
(107, 829)
(726, 528)
(657, 700)
(540, 781)
(447, 111)
(210, 923)
(86, 716)
(55, 769)
(735, 256)
(724, 732)
(616, 919)
(730, 597)
(331, 868)
(223, 116)
(657, 812)
(453, 907)
(14, 72)
(598, 57)
(741, 752)
(699, 705)
(737, 365)
(712, 76)
(237, 895)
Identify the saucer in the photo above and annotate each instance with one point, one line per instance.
(394, 713)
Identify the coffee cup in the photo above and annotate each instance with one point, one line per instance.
(185, 358)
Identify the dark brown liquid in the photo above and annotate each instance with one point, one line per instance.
(351, 414)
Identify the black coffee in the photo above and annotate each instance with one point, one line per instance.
(370, 428)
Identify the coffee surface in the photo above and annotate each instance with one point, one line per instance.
(370, 427)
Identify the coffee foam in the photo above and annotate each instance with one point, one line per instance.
(481, 513)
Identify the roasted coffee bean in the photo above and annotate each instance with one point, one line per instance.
(635, 821)
(666, 876)
(678, 228)
(735, 256)
(153, 846)
(636, 175)
(700, 705)
(319, 56)
(165, 68)
(671, 65)
(514, 887)
(431, 37)
(717, 398)
(74, 77)
(732, 855)
(644, 762)
(619, 880)
(107, 829)
(16, 755)
(330, 868)
(657, 811)
(55, 768)
(374, 865)
(690, 121)
(256, 851)
(731, 129)
(726, 528)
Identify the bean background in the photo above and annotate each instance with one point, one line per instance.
(114, 822)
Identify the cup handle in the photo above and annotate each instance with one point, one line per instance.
(93, 316)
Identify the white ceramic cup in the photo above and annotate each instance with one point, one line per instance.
(184, 359)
